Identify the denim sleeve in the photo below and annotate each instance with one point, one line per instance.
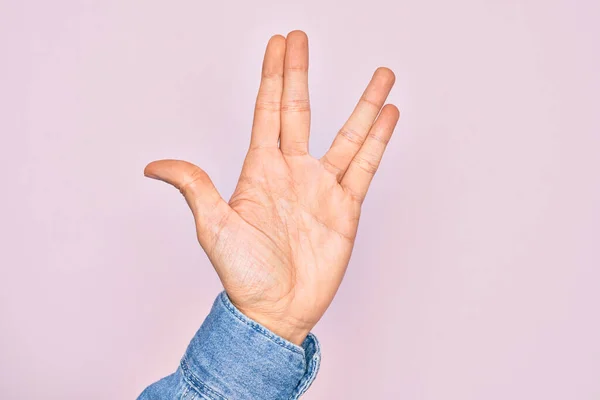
(231, 357)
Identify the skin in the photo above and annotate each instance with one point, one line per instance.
(282, 243)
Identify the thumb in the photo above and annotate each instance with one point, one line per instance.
(208, 207)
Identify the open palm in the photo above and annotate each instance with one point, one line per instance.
(282, 243)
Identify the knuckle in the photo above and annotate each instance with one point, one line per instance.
(367, 164)
(332, 168)
(266, 105)
(196, 178)
(375, 105)
(355, 196)
(351, 135)
(294, 149)
(302, 68)
(296, 105)
(272, 75)
(377, 138)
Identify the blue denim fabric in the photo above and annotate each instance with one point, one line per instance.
(234, 358)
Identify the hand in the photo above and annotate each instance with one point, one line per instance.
(282, 243)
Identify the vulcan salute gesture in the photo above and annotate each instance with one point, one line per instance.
(282, 243)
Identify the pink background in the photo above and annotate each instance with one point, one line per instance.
(476, 272)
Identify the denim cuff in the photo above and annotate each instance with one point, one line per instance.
(233, 357)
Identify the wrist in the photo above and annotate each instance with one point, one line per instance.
(224, 356)
(288, 328)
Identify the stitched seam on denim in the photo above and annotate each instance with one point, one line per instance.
(189, 391)
(185, 392)
(259, 328)
(311, 371)
(197, 384)
(307, 380)
(200, 396)
(312, 375)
